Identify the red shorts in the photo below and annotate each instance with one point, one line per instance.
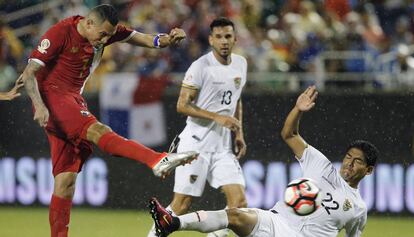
(69, 119)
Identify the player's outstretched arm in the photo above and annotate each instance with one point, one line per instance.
(158, 41)
(186, 106)
(30, 83)
(290, 130)
(14, 92)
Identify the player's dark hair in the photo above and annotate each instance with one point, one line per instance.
(106, 12)
(221, 22)
(370, 151)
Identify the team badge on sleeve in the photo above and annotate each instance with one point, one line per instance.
(45, 44)
(188, 78)
(237, 82)
(187, 82)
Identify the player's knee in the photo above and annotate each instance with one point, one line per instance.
(96, 131)
(181, 205)
(235, 217)
(101, 129)
(65, 188)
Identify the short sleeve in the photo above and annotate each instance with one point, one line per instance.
(314, 164)
(122, 34)
(51, 44)
(193, 77)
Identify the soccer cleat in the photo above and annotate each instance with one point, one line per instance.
(165, 222)
(171, 161)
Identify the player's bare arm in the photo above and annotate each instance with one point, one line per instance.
(186, 106)
(240, 144)
(30, 83)
(158, 41)
(14, 92)
(290, 131)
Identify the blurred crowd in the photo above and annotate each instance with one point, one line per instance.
(274, 35)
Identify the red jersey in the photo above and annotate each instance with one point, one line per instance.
(68, 58)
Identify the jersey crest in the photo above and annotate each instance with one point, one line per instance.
(45, 44)
(193, 178)
(347, 205)
(237, 82)
(74, 49)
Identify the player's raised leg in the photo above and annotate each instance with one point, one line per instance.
(112, 143)
(241, 221)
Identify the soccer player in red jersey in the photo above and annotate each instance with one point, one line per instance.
(54, 77)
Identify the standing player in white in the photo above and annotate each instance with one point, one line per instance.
(342, 206)
(210, 97)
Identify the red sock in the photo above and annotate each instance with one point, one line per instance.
(116, 145)
(59, 215)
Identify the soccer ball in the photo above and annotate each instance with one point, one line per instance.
(303, 196)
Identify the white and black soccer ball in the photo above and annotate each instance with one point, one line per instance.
(303, 196)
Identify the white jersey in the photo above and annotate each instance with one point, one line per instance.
(219, 88)
(342, 205)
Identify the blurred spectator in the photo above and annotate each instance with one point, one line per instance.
(153, 77)
(404, 65)
(11, 51)
(338, 7)
(74, 7)
(274, 35)
(403, 34)
(371, 29)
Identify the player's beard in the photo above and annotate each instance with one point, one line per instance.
(224, 52)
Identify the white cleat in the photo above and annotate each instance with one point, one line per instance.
(171, 161)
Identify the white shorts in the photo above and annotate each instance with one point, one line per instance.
(218, 168)
(271, 224)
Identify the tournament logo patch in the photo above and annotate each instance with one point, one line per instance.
(45, 44)
(347, 205)
(193, 178)
(237, 82)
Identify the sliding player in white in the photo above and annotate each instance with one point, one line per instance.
(342, 206)
(210, 97)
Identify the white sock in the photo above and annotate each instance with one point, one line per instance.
(171, 210)
(204, 221)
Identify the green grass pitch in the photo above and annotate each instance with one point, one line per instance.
(33, 222)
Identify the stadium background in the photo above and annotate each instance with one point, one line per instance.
(358, 53)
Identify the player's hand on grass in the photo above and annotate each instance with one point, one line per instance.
(228, 122)
(240, 146)
(41, 115)
(176, 36)
(306, 100)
